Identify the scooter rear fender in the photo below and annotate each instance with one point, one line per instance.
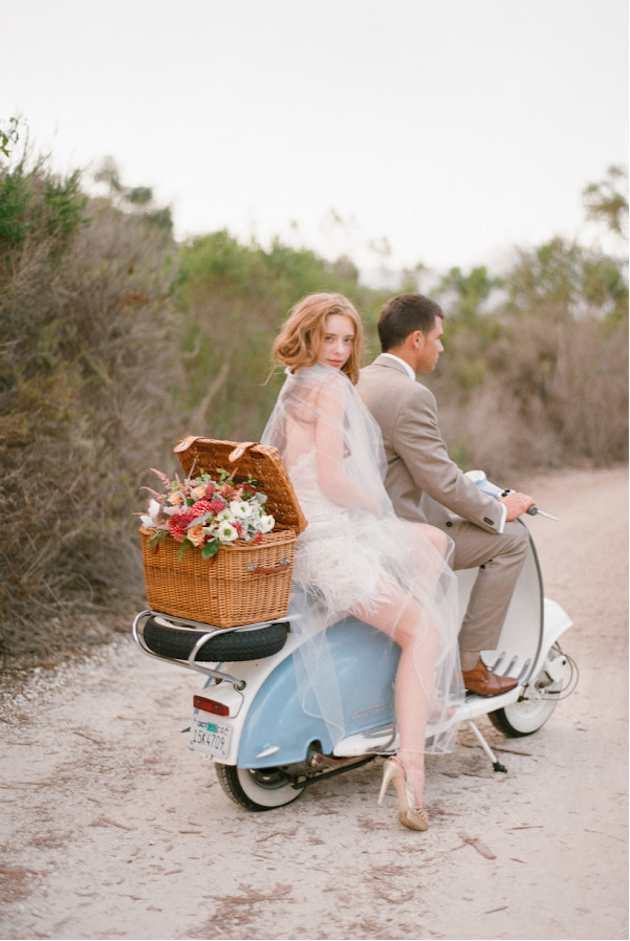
(275, 727)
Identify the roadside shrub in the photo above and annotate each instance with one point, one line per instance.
(89, 361)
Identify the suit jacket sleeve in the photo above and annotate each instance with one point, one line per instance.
(417, 439)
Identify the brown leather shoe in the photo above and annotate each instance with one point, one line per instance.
(481, 681)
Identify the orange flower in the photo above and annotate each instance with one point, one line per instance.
(196, 535)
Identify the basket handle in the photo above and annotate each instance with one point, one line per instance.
(240, 450)
(234, 455)
(276, 569)
(185, 443)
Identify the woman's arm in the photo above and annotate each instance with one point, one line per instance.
(329, 444)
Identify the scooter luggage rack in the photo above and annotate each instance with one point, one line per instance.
(175, 623)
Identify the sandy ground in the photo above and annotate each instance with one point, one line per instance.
(112, 828)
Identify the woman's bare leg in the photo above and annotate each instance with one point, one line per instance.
(401, 618)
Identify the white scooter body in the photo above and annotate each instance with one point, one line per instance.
(267, 746)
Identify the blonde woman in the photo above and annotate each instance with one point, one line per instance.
(355, 557)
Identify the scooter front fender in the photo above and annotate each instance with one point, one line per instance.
(556, 622)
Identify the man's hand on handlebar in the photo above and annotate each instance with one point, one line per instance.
(516, 504)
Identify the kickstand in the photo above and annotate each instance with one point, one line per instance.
(496, 764)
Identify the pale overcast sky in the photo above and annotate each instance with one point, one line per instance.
(454, 129)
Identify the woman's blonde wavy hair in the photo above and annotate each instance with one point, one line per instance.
(298, 343)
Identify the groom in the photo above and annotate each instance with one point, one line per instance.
(426, 486)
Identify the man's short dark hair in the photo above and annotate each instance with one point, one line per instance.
(404, 314)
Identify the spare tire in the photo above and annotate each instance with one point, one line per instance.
(176, 643)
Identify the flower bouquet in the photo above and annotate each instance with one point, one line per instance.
(206, 514)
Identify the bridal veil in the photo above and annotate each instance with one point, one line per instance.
(355, 555)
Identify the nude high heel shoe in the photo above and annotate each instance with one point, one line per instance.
(409, 815)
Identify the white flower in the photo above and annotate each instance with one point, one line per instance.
(226, 532)
(225, 516)
(154, 510)
(240, 509)
(147, 522)
(266, 524)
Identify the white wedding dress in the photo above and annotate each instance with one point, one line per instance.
(335, 552)
(355, 553)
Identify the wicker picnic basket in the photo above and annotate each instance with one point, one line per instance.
(244, 583)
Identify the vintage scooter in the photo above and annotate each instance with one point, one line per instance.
(266, 746)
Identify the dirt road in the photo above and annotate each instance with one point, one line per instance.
(111, 828)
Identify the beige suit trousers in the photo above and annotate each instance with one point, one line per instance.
(500, 558)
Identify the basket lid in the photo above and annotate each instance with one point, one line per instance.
(261, 461)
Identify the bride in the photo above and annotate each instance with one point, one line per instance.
(355, 556)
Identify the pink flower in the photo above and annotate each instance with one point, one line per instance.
(201, 507)
(179, 522)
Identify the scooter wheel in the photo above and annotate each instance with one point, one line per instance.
(257, 789)
(526, 716)
(523, 717)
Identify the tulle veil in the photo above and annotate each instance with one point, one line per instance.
(355, 552)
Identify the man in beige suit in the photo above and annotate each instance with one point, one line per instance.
(425, 485)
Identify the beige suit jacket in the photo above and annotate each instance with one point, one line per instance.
(424, 484)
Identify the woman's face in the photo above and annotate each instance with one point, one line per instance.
(337, 342)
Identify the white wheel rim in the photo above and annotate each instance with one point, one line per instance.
(265, 796)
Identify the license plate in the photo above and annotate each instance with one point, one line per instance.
(210, 738)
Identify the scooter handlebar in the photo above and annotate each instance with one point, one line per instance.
(482, 482)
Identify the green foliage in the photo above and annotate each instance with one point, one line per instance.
(136, 200)
(9, 135)
(607, 200)
(14, 202)
(467, 294)
(66, 209)
(37, 202)
(567, 281)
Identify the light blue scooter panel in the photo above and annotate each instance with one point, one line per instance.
(277, 717)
